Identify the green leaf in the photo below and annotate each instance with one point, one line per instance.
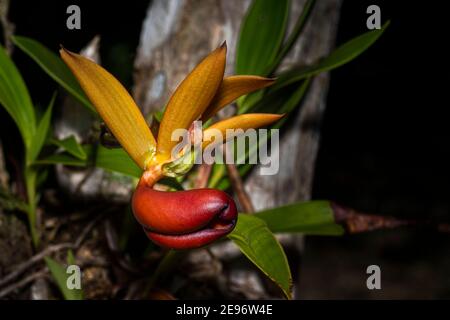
(293, 101)
(261, 247)
(60, 276)
(342, 55)
(61, 158)
(15, 98)
(283, 100)
(298, 28)
(71, 145)
(224, 183)
(117, 160)
(70, 257)
(245, 103)
(312, 217)
(53, 66)
(41, 133)
(217, 173)
(262, 33)
(158, 115)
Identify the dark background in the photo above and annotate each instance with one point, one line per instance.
(385, 150)
(384, 135)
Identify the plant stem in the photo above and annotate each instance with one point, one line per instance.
(30, 184)
(298, 28)
(150, 176)
(41, 273)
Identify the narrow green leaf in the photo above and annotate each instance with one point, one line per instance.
(71, 145)
(15, 98)
(41, 133)
(70, 257)
(261, 247)
(61, 158)
(262, 33)
(71, 261)
(284, 100)
(245, 103)
(116, 160)
(293, 101)
(342, 55)
(60, 276)
(298, 28)
(224, 183)
(53, 66)
(312, 217)
(217, 173)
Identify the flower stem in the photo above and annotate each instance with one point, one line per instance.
(151, 176)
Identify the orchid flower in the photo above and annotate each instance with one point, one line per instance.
(180, 219)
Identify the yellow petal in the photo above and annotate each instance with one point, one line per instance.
(243, 121)
(115, 105)
(232, 88)
(191, 98)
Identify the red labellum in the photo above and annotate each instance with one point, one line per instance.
(184, 219)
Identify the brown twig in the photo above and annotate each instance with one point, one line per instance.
(236, 181)
(83, 181)
(13, 287)
(19, 269)
(357, 222)
(238, 187)
(204, 171)
(86, 230)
